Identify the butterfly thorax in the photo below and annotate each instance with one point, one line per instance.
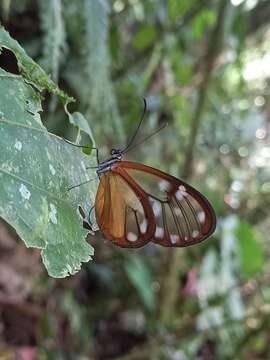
(106, 165)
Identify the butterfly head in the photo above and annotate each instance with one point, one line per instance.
(117, 154)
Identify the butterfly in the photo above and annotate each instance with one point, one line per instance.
(136, 204)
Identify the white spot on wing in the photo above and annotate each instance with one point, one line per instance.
(195, 233)
(164, 185)
(174, 238)
(52, 214)
(25, 192)
(201, 217)
(156, 208)
(143, 226)
(179, 195)
(132, 237)
(182, 188)
(159, 233)
(52, 169)
(18, 145)
(181, 192)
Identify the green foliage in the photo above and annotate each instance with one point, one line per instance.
(34, 181)
(183, 70)
(102, 105)
(251, 251)
(83, 128)
(78, 312)
(144, 37)
(54, 36)
(178, 8)
(115, 43)
(29, 69)
(140, 276)
(202, 22)
(5, 7)
(109, 53)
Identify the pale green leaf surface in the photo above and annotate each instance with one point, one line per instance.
(36, 169)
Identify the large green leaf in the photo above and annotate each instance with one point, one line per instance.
(36, 170)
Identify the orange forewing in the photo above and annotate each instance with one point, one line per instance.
(120, 212)
(136, 204)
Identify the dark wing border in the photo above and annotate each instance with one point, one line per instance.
(210, 223)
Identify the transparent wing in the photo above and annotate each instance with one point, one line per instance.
(120, 214)
(182, 216)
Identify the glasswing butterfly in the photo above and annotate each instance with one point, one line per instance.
(136, 204)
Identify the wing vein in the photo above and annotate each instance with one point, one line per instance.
(137, 221)
(194, 214)
(186, 221)
(166, 230)
(178, 227)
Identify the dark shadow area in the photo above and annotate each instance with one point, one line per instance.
(8, 61)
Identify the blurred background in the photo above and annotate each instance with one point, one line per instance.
(204, 67)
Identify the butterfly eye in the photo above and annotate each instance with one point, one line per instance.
(113, 151)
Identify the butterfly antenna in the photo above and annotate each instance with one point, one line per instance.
(138, 127)
(146, 139)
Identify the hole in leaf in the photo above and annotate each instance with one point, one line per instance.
(8, 61)
(87, 149)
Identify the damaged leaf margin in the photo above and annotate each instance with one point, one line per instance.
(37, 168)
(30, 70)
